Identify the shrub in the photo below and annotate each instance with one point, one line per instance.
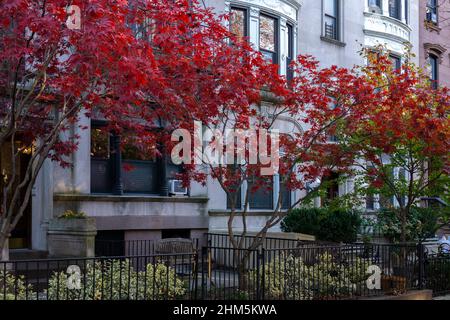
(14, 288)
(285, 277)
(117, 280)
(289, 277)
(336, 225)
(422, 223)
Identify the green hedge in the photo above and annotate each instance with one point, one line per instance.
(336, 225)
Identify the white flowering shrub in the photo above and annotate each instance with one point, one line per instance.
(118, 280)
(14, 287)
(289, 277)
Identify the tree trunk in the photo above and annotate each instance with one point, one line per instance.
(403, 221)
(4, 249)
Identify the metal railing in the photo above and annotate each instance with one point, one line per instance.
(305, 272)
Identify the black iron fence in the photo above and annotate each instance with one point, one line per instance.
(305, 272)
(155, 277)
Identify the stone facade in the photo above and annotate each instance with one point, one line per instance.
(435, 38)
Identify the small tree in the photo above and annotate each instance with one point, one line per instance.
(401, 145)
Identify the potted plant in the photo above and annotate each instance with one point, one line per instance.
(72, 234)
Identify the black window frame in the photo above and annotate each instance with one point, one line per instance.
(336, 33)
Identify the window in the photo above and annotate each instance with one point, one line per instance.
(370, 202)
(262, 197)
(238, 22)
(331, 19)
(285, 194)
(434, 72)
(407, 11)
(268, 42)
(375, 4)
(139, 172)
(396, 62)
(117, 166)
(331, 184)
(290, 55)
(432, 12)
(395, 9)
(101, 173)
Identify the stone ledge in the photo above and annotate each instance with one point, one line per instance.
(127, 198)
(412, 295)
(253, 213)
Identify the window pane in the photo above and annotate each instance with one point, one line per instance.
(238, 22)
(330, 27)
(396, 62)
(267, 33)
(330, 7)
(262, 198)
(434, 70)
(394, 8)
(285, 196)
(99, 144)
(139, 176)
(375, 3)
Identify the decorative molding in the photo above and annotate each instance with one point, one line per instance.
(393, 29)
(287, 8)
(437, 49)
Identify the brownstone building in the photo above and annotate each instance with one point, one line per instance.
(434, 35)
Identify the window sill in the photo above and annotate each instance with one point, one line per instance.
(333, 41)
(430, 26)
(127, 198)
(251, 213)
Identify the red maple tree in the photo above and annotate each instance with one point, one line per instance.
(133, 63)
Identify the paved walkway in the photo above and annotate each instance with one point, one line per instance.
(442, 298)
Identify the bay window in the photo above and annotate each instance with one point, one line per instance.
(118, 167)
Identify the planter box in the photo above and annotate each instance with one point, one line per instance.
(69, 238)
(393, 284)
